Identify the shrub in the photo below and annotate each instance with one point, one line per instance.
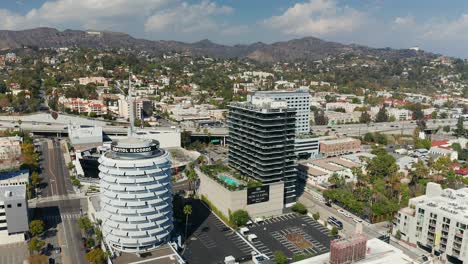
(299, 208)
(239, 217)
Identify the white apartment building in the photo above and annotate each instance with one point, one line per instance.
(140, 105)
(400, 114)
(437, 221)
(97, 80)
(348, 107)
(298, 99)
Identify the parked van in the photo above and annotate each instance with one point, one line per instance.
(244, 231)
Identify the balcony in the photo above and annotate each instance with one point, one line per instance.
(459, 235)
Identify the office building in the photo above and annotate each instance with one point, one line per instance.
(136, 195)
(436, 221)
(13, 214)
(306, 147)
(298, 99)
(339, 146)
(261, 138)
(85, 135)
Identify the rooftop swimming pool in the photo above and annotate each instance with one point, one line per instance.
(229, 181)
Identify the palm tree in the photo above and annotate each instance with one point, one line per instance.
(192, 177)
(187, 212)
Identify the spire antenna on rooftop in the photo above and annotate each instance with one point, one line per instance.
(130, 105)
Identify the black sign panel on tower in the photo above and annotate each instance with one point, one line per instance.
(258, 194)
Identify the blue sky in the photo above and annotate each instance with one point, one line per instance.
(434, 25)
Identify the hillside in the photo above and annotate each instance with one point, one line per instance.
(309, 48)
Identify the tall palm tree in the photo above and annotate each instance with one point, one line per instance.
(192, 178)
(187, 212)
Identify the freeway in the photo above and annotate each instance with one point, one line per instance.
(397, 127)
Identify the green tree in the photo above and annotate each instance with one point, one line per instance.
(334, 231)
(460, 129)
(192, 178)
(382, 166)
(398, 234)
(187, 212)
(35, 180)
(368, 137)
(96, 256)
(446, 129)
(422, 143)
(3, 88)
(280, 257)
(36, 227)
(85, 224)
(380, 138)
(337, 180)
(316, 216)
(382, 115)
(185, 138)
(320, 119)
(365, 118)
(299, 208)
(239, 217)
(36, 244)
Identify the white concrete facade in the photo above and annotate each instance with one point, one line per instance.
(136, 195)
(298, 99)
(437, 220)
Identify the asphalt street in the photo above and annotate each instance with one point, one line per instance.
(62, 214)
(349, 224)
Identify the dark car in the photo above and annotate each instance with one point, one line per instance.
(51, 261)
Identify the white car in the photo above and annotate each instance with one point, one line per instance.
(357, 220)
(341, 211)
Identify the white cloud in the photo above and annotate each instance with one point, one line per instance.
(80, 13)
(404, 21)
(316, 17)
(187, 18)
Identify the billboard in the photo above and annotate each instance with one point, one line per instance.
(258, 194)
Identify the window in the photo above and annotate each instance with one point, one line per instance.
(8, 205)
(19, 204)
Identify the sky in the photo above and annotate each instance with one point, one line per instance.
(433, 25)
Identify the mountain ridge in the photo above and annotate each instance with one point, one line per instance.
(307, 48)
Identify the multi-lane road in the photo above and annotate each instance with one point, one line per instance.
(57, 205)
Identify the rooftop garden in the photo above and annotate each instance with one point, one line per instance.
(227, 177)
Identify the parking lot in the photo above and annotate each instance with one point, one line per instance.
(13, 253)
(210, 240)
(292, 234)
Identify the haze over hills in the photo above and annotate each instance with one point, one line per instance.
(308, 48)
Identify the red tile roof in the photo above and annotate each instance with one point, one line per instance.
(438, 143)
(462, 171)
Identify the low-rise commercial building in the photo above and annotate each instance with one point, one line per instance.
(85, 135)
(337, 118)
(12, 178)
(316, 172)
(437, 152)
(339, 146)
(10, 152)
(306, 147)
(436, 221)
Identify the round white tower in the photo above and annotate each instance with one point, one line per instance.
(136, 195)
